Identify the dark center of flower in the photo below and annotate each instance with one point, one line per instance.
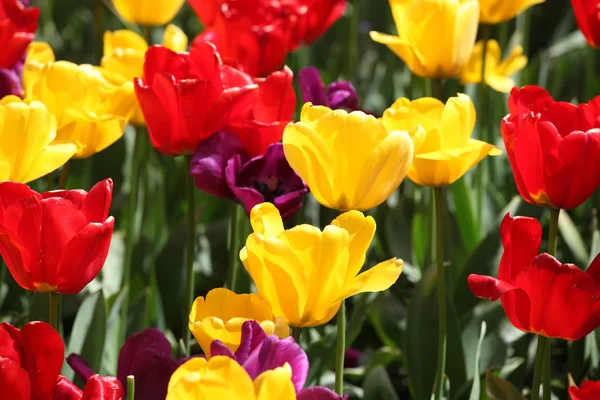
(269, 187)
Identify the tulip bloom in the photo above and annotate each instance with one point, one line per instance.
(187, 97)
(222, 167)
(31, 154)
(18, 24)
(538, 293)
(418, 21)
(586, 14)
(496, 11)
(339, 94)
(444, 150)
(55, 241)
(148, 12)
(497, 73)
(550, 143)
(124, 53)
(91, 112)
(315, 271)
(589, 390)
(348, 160)
(257, 36)
(221, 315)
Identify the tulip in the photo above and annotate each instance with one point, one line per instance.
(11, 80)
(306, 273)
(222, 167)
(538, 293)
(339, 94)
(586, 14)
(97, 388)
(146, 12)
(589, 390)
(454, 24)
(90, 111)
(55, 241)
(124, 53)
(31, 154)
(497, 73)
(18, 24)
(187, 97)
(444, 150)
(496, 11)
(348, 160)
(548, 144)
(221, 315)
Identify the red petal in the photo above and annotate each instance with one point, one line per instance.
(594, 270)
(76, 196)
(522, 102)
(17, 259)
(14, 381)
(276, 97)
(158, 120)
(206, 64)
(103, 388)
(84, 256)
(12, 192)
(521, 239)
(586, 14)
(507, 128)
(66, 390)
(97, 203)
(9, 343)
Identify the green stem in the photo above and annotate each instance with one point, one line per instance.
(130, 387)
(53, 310)
(341, 349)
(296, 333)
(436, 89)
(132, 205)
(353, 42)
(441, 283)
(64, 175)
(553, 235)
(190, 255)
(148, 34)
(99, 26)
(482, 117)
(538, 366)
(234, 245)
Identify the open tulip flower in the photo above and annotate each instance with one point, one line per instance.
(55, 241)
(538, 293)
(497, 73)
(454, 22)
(187, 97)
(18, 24)
(91, 112)
(444, 150)
(586, 14)
(30, 363)
(124, 53)
(306, 273)
(31, 154)
(553, 147)
(588, 390)
(348, 160)
(496, 11)
(221, 315)
(148, 12)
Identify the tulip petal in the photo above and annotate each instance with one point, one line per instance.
(252, 336)
(521, 239)
(276, 384)
(361, 230)
(312, 87)
(97, 202)
(318, 393)
(376, 279)
(105, 388)
(14, 380)
(66, 390)
(266, 220)
(149, 339)
(80, 366)
(175, 39)
(403, 49)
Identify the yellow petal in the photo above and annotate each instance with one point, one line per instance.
(219, 378)
(467, 23)
(157, 12)
(175, 39)
(361, 231)
(266, 220)
(457, 122)
(275, 384)
(379, 278)
(496, 11)
(124, 52)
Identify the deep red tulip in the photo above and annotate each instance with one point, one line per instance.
(538, 293)
(589, 390)
(55, 241)
(187, 97)
(17, 29)
(257, 36)
(553, 147)
(97, 388)
(588, 19)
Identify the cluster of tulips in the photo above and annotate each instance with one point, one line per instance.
(226, 103)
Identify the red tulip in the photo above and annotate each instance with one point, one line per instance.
(257, 36)
(538, 293)
(96, 388)
(589, 390)
(17, 29)
(187, 97)
(553, 147)
(55, 241)
(588, 19)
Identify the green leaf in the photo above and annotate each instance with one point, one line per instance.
(500, 389)
(465, 212)
(570, 234)
(112, 345)
(379, 386)
(476, 389)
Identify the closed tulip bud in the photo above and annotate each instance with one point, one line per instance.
(496, 11)
(435, 37)
(586, 14)
(148, 12)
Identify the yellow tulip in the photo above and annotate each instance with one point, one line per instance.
(223, 378)
(124, 53)
(148, 12)
(26, 135)
(349, 160)
(435, 37)
(497, 73)
(444, 150)
(221, 315)
(90, 111)
(306, 273)
(496, 11)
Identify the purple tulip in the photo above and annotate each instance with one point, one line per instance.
(338, 95)
(222, 167)
(11, 79)
(147, 356)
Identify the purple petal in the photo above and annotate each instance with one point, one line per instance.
(210, 161)
(81, 367)
(290, 203)
(151, 340)
(319, 393)
(252, 337)
(218, 348)
(351, 358)
(247, 196)
(274, 353)
(312, 87)
(152, 371)
(342, 94)
(10, 82)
